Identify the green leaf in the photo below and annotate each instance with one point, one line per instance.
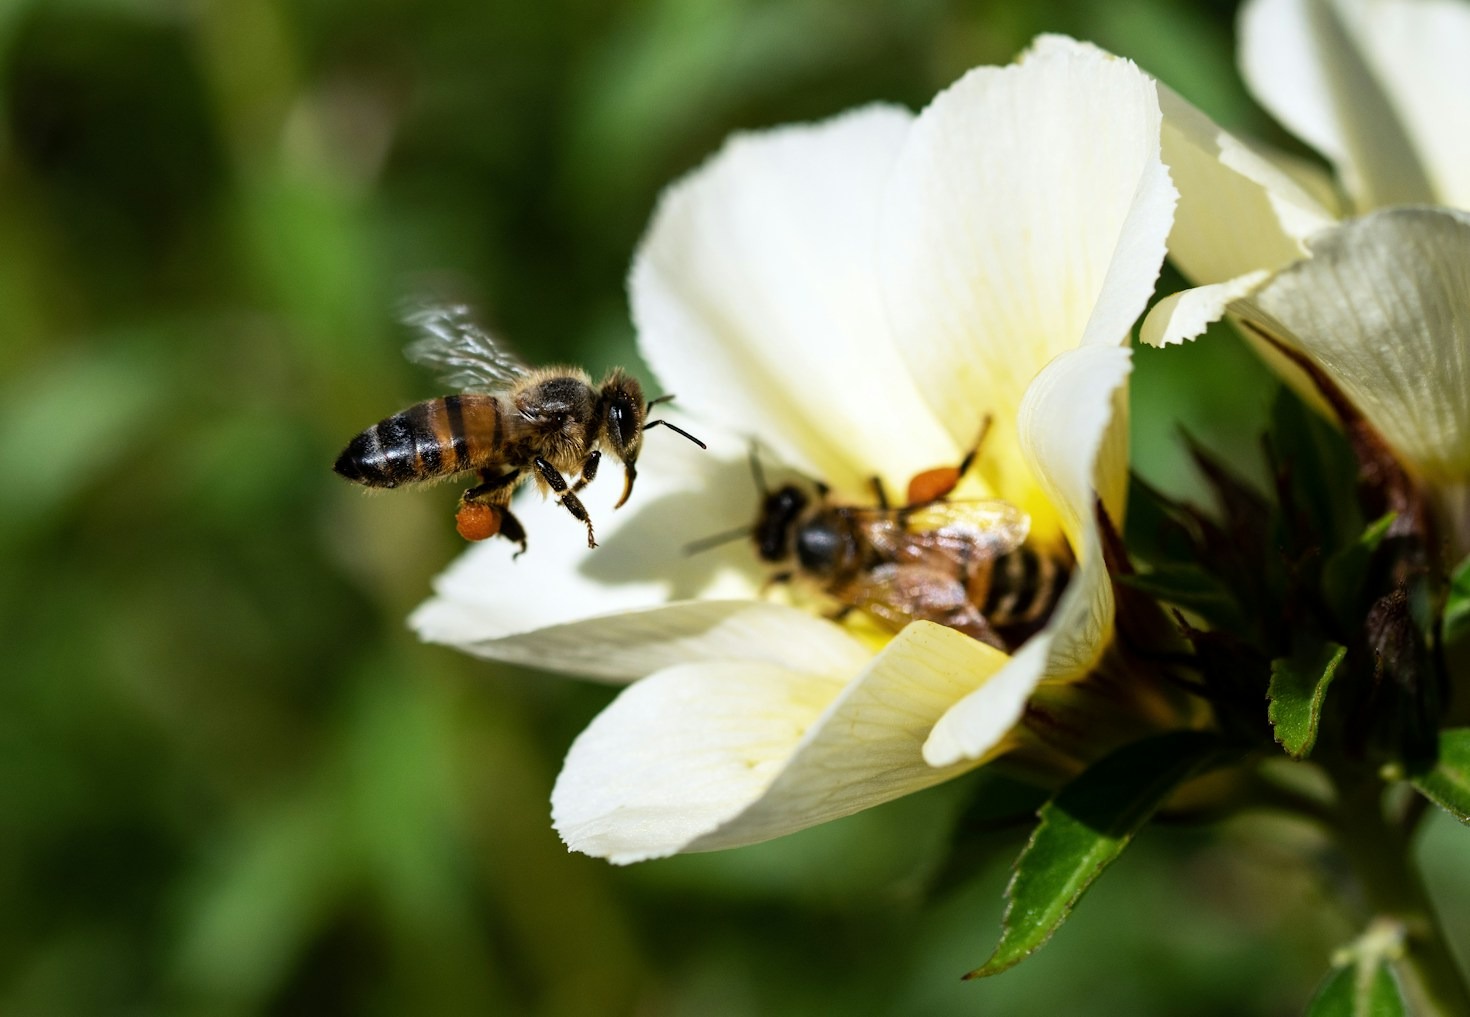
(1155, 530)
(1298, 688)
(1447, 783)
(1321, 475)
(1191, 588)
(1345, 571)
(1085, 827)
(1457, 605)
(1359, 990)
(1363, 983)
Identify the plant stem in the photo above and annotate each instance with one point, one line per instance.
(1382, 857)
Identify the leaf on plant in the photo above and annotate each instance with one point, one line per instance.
(1317, 474)
(1158, 528)
(1191, 588)
(1359, 990)
(999, 807)
(1298, 689)
(1362, 983)
(1345, 571)
(1085, 827)
(1447, 782)
(1457, 605)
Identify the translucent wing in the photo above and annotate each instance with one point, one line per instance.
(899, 594)
(461, 353)
(961, 531)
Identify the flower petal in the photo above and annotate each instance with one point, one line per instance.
(625, 646)
(1383, 305)
(1186, 314)
(1419, 49)
(716, 755)
(1027, 215)
(1074, 431)
(1239, 212)
(605, 613)
(1305, 61)
(756, 300)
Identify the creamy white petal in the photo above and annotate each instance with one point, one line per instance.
(1383, 305)
(601, 612)
(1074, 431)
(1027, 215)
(1421, 51)
(717, 755)
(1305, 61)
(1239, 211)
(627, 645)
(756, 300)
(1186, 314)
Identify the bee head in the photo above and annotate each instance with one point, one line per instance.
(623, 410)
(779, 513)
(624, 419)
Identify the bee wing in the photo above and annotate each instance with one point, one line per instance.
(460, 352)
(997, 525)
(903, 593)
(961, 531)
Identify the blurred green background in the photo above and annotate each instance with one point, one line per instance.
(231, 782)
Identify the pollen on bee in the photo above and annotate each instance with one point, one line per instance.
(931, 485)
(477, 521)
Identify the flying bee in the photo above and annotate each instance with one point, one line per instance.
(512, 423)
(963, 564)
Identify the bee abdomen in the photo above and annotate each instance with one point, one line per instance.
(424, 442)
(1022, 588)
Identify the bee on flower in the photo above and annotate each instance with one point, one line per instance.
(856, 296)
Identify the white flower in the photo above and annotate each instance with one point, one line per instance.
(857, 296)
(1383, 307)
(1378, 87)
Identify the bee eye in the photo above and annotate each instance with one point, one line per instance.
(624, 422)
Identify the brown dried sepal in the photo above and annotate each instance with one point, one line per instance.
(1384, 484)
(477, 521)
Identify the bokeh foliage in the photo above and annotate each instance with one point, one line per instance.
(231, 782)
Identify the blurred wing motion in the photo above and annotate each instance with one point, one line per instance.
(962, 532)
(461, 353)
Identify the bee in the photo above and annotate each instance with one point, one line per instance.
(512, 423)
(964, 564)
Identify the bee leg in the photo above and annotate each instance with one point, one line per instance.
(568, 500)
(495, 491)
(511, 529)
(490, 484)
(589, 470)
(879, 491)
(970, 456)
(930, 486)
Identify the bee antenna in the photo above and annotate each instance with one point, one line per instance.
(756, 471)
(656, 400)
(671, 427)
(708, 543)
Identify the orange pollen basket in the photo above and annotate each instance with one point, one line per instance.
(475, 521)
(931, 485)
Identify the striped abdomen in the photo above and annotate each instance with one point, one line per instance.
(427, 441)
(1018, 589)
